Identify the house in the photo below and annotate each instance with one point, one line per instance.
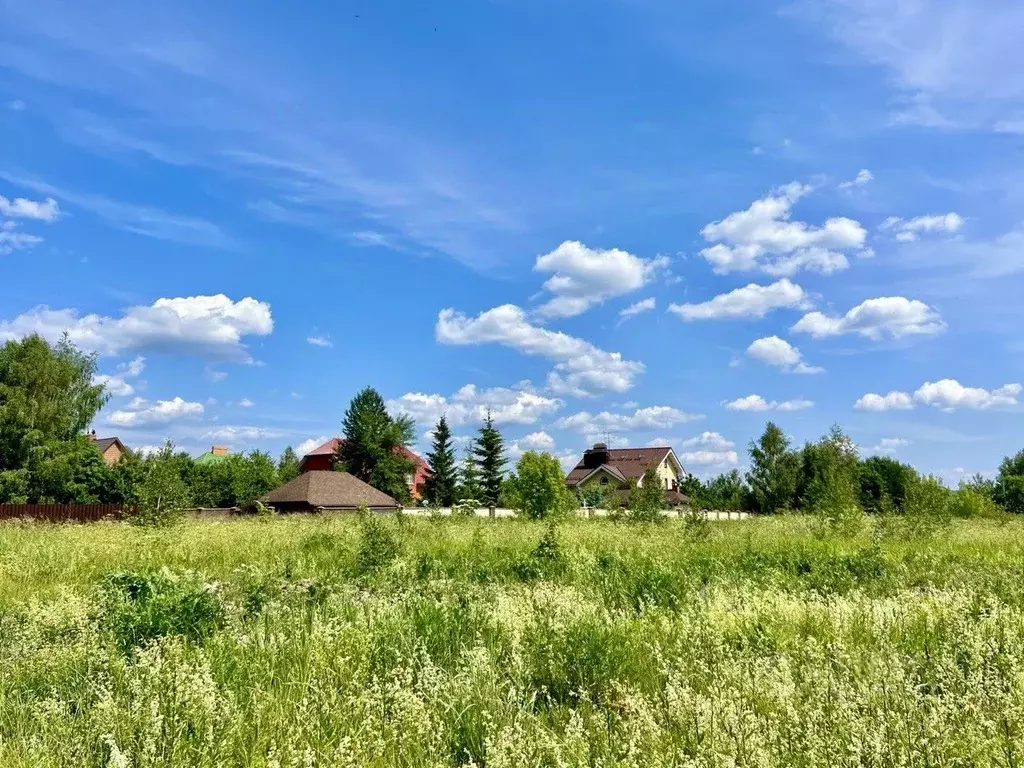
(321, 458)
(110, 448)
(616, 469)
(325, 490)
(216, 454)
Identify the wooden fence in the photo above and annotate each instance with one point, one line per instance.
(60, 513)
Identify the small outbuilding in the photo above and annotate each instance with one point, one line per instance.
(328, 491)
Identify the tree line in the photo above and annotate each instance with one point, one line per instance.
(828, 477)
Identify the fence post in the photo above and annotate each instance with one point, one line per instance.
(491, 511)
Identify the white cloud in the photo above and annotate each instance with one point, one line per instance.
(207, 326)
(945, 394)
(744, 239)
(11, 241)
(752, 300)
(21, 208)
(140, 412)
(778, 352)
(308, 445)
(245, 402)
(908, 230)
(653, 417)
(469, 405)
(950, 394)
(708, 458)
(243, 434)
(710, 441)
(582, 369)
(215, 376)
(863, 178)
(758, 403)
(894, 401)
(586, 276)
(646, 305)
(319, 341)
(889, 445)
(887, 316)
(115, 382)
(540, 441)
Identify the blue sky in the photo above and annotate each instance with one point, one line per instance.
(634, 219)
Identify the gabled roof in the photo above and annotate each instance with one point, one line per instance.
(331, 447)
(102, 443)
(630, 463)
(333, 490)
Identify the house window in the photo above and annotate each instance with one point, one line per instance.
(604, 481)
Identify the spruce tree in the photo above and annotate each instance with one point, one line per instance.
(469, 487)
(287, 465)
(373, 446)
(490, 460)
(439, 487)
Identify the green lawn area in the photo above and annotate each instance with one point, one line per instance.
(325, 642)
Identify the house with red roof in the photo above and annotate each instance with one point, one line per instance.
(616, 470)
(322, 458)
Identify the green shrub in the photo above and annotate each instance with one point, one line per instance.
(378, 545)
(140, 606)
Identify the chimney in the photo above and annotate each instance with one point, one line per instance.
(219, 450)
(92, 436)
(596, 456)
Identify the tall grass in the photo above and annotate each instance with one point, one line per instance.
(327, 642)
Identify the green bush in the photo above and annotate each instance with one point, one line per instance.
(378, 545)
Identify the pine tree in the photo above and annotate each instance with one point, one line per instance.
(373, 446)
(469, 487)
(287, 465)
(439, 487)
(489, 455)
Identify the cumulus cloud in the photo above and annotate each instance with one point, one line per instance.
(887, 316)
(709, 458)
(778, 352)
(581, 368)
(208, 326)
(319, 341)
(709, 441)
(140, 412)
(470, 404)
(862, 179)
(763, 237)
(909, 230)
(115, 383)
(11, 241)
(889, 445)
(653, 417)
(586, 276)
(646, 305)
(539, 441)
(758, 403)
(308, 445)
(46, 210)
(754, 301)
(894, 401)
(245, 402)
(945, 394)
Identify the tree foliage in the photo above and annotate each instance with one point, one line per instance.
(774, 471)
(46, 397)
(646, 499)
(537, 488)
(375, 444)
(469, 477)
(287, 465)
(439, 487)
(164, 494)
(489, 455)
(883, 484)
(1008, 491)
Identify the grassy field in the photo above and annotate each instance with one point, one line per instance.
(323, 642)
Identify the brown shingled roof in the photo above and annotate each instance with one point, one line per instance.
(631, 463)
(330, 490)
(331, 447)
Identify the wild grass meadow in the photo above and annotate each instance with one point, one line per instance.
(334, 642)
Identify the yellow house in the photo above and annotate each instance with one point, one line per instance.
(616, 469)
